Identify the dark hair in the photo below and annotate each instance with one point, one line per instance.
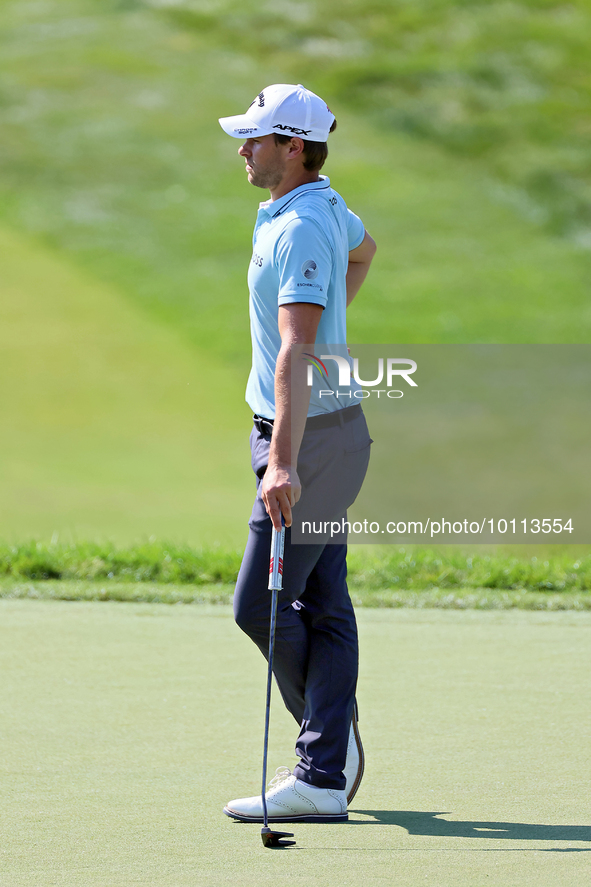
(315, 153)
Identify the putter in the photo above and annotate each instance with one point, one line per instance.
(268, 837)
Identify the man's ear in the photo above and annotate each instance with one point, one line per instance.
(296, 148)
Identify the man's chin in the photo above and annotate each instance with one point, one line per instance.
(252, 178)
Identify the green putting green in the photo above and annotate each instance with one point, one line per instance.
(125, 728)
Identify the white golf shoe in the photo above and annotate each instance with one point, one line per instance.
(355, 763)
(291, 800)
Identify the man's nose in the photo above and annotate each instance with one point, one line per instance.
(243, 150)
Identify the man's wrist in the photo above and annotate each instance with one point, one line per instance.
(279, 465)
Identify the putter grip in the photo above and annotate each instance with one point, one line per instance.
(276, 562)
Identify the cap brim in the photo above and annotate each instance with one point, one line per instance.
(240, 127)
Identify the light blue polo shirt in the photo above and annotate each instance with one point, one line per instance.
(301, 247)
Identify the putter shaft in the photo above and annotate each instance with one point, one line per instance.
(268, 701)
(272, 839)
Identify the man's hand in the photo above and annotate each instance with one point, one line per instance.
(281, 491)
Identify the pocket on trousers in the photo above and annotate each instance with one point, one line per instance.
(356, 436)
(259, 452)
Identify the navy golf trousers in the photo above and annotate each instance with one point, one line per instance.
(316, 651)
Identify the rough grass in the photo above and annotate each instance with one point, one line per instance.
(373, 577)
(421, 569)
(147, 562)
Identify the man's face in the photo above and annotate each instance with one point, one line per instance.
(265, 163)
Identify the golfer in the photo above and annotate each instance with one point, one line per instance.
(310, 256)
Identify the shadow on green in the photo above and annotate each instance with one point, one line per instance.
(426, 823)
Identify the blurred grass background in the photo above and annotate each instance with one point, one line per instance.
(126, 221)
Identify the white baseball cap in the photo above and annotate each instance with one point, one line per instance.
(285, 109)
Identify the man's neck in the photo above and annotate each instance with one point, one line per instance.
(289, 183)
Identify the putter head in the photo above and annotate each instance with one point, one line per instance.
(274, 839)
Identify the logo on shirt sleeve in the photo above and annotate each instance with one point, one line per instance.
(310, 269)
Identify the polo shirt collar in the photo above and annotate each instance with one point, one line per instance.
(275, 207)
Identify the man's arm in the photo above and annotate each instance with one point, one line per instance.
(298, 324)
(359, 262)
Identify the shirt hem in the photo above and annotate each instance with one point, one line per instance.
(302, 297)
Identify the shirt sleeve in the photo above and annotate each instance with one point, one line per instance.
(355, 230)
(304, 261)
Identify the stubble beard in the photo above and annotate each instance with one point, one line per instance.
(268, 177)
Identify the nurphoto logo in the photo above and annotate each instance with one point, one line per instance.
(394, 369)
